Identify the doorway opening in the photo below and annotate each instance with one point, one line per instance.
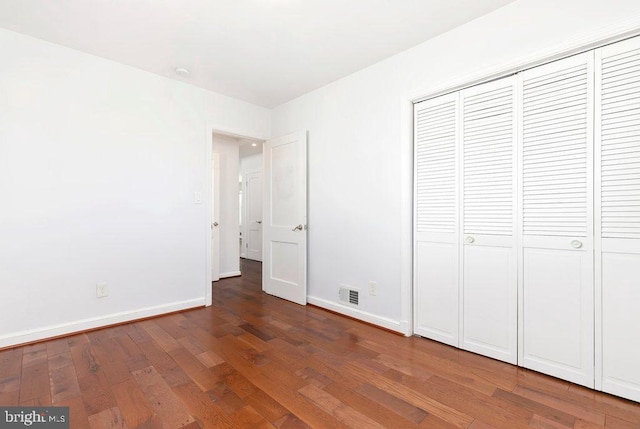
(284, 226)
(236, 203)
(250, 180)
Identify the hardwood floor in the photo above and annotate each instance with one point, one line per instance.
(254, 361)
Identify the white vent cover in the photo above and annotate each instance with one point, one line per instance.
(349, 295)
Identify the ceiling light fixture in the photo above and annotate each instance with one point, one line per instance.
(254, 144)
(181, 71)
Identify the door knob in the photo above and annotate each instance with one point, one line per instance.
(258, 221)
(576, 244)
(299, 227)
(469, 240)
(215, 223)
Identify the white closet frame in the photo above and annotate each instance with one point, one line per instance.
(620, 374)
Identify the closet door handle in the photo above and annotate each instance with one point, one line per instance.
(469, 240)
(576, 244)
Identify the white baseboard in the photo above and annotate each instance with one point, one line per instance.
(384, 322)
(97, 322)
(230, 274)
(405, 328)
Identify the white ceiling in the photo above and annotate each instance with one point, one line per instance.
(247, 147)
(262, 51)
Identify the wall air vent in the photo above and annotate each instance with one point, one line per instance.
(349, 295)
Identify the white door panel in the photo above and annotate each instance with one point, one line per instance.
(558, 313)
(253, 218)
(620, 319)
(556, 173)
(490, 302)
(436, 291)
(488, 307)
(617, 208)
(436, 247)
(284, 270)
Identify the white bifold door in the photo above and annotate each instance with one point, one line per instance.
(527, 218)
(465, 249)
(489, 294)
(557, 310)
(436, 219)
(618, 213)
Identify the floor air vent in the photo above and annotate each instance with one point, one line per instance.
(348, 295)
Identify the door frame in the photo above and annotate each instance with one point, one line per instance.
(208, 197)
(215, 203)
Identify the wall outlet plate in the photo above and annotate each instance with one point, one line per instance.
(101, 290)
(373, 288)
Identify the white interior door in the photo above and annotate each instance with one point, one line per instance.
(284, 272)
(489, 296)
(253, 219)
(557, 317)
(436, 219)
(215, 230)
(618, 217)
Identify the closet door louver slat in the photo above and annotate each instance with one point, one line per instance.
(488, 118)
(435, 166)
(620, 145)
(564, 94)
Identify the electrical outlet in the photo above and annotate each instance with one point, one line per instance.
(101, 290)
(373, 288)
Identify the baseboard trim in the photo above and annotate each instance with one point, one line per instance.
(230, 274)
(63, 329)
(383, 322)
(405, 328)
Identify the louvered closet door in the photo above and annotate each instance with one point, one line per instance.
(436, 219)
(489, 300)
(557, 317)
(618, 216)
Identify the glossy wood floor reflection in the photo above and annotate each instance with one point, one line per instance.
(254, 361)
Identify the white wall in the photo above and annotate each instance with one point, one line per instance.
(228, 149)
(250, 163)
(360, 147)
(99, 163)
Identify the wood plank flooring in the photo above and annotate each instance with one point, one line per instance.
(254, 361)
